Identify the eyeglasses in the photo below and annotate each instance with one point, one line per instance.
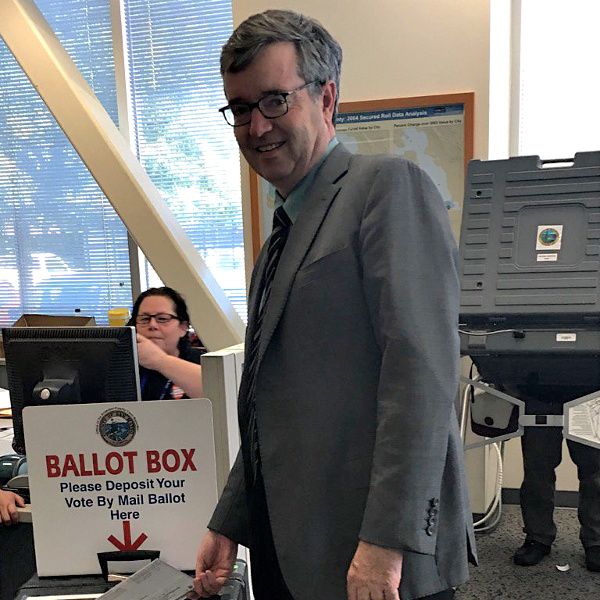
(160, 318)
(271, 106)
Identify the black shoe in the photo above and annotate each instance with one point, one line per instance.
(531, 552)
(592, 558)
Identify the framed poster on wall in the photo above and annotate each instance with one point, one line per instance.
(435, 132)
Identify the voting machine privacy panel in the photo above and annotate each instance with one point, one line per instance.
(529, 265)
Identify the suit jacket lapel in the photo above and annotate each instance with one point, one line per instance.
(325, 188)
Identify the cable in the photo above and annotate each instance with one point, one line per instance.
(489, 332)
(464, 412)
(494, 512)
(537, 330)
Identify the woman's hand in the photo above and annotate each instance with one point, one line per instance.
(149, 354)
(186, 375)
(8, 507)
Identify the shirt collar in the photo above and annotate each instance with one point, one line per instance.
(295, 200)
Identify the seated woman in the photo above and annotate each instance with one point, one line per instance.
(169, 365)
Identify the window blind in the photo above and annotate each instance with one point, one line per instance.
(63, 249)
(182, 141)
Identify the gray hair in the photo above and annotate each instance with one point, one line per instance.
(319, 55)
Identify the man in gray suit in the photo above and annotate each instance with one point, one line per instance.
(350, 483)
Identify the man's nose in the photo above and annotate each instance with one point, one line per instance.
(259, 124)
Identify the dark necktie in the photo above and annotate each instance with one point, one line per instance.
(281, 228)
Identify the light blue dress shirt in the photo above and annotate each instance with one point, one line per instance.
(296, 198)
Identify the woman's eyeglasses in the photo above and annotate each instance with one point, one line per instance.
(160, 318)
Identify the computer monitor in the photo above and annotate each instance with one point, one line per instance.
(68, 365)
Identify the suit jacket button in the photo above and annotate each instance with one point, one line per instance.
(431, 520)
(429, 530)
(433, 511)
(435, 501)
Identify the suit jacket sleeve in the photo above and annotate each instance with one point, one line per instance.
(230, 517)
(408, 256)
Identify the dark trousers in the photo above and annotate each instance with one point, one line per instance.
(267, 580)
(542, 453)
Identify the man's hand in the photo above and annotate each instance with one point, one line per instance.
(8, 507)
(214, 563)
(374, 573)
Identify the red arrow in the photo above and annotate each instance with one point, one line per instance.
(127, 544)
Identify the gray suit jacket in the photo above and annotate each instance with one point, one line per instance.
(356, 384)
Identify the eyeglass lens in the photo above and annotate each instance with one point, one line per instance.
(271, 107)
(159, 318)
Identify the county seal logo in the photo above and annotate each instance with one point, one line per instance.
(117, 426)
(549, 236)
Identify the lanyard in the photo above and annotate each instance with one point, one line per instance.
(163, 394)
(166, 387)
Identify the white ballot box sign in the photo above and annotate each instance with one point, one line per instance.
(124, 476)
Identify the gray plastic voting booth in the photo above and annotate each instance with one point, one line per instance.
(529, 264)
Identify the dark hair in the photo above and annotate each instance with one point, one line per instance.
(319, 55)
(180, 310)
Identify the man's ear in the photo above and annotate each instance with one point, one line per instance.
(329, 98)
